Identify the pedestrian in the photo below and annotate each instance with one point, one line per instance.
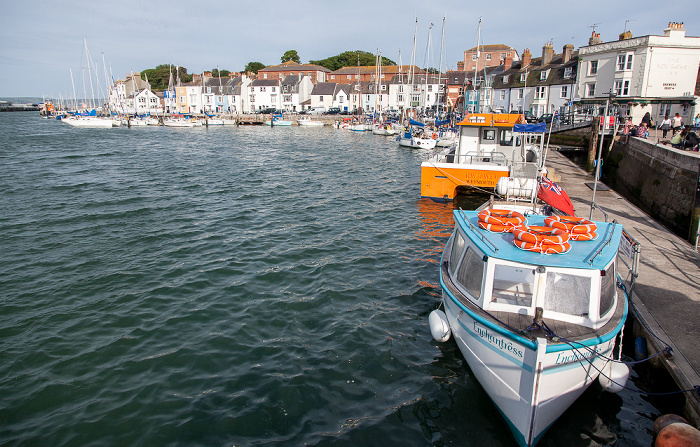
(665, 125)
(676, 123)
(646, 120)
(627, 128)
(642, 131)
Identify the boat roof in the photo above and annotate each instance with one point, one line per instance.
(492, 119)
(595, 254)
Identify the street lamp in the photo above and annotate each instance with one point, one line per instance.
(611, 95)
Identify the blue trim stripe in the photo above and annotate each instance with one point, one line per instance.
(481, 340)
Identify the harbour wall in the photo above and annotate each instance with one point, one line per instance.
(659, 179)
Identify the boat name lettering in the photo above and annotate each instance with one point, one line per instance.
(575, 356)
(482, 179)
(499, 342)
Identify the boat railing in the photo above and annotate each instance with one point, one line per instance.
(595, 205)
(478, 233)
(495, 158)
(605, 243)
(630, 250)
(524, 170)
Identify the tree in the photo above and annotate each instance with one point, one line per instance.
(350, 59)
(290, 55)
(215, 73)
(160, 76)
(254, 67)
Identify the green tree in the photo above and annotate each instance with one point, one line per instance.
(350, 58)
(159, 77)
(254, 67)
(290, 55)
(215, 73)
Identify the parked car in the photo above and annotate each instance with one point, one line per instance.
(316, 111)
(333, 111)
(546, 118)
(266, 111)
(529, 117)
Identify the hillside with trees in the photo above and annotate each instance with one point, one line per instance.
(158, 77)
(349, 59)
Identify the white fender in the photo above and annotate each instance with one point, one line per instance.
(439, 327)
(617, 372)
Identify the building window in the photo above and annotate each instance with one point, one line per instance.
(503, 95)
(567, 72)
(626, 88)
(593, 67)
(400, 98)
(622, 88)
(400, 88)
(341, 99)
(590, 89)
(543, 75)
(564, 91)
(520, 93)
(383, 87)
(287, 98)
(473, 57)
(505, 79)
(332, 76)
(624, 62)
(522, 77)
(273, 89)
(540, 92)
(262, 89)
(488, 57)
(503, 55)
(349, 77)
(430, 88)
(264, 75)
(252, 98)
(320, 98)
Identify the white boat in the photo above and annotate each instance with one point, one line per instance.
(358, 127)
(214, 122)
(416, 139)
(91, 121)
(278, 122)
(446, 138)
(383, 129)
(536, 329)
(308, 122)
(490, 146)
(181, 122)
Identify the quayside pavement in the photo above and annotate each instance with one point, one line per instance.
(667, 291)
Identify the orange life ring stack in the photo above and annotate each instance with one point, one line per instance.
(546, 240)
(579, 229)
(500, 221)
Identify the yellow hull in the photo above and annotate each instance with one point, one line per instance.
(439, 181)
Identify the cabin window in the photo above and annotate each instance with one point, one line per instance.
(470, 272)
(456, 252)
(567, 294)
(489, 134)
(506, 138)
(513, 285)
(607, 290)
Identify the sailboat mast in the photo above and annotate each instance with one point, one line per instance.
(442, 43)
(75, 99)
(92, 89)
(413, 62)
(424, 94)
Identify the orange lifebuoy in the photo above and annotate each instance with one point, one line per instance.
(571, 224)
(435, 136)
(547, 249)
(496, 228)
(541, 235)
(501, 217)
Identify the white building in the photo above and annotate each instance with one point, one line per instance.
(295, 90)
(264, 94)
(654, 74)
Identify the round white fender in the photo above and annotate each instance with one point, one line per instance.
(439, 327)
(617, 372)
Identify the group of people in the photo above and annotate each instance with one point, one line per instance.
(682, 137)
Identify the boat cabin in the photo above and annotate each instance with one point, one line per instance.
(577, 288)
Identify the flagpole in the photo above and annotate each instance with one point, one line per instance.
(600, 151)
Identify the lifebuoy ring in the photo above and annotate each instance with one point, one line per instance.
(583, 236)
(547, 249)
(571, 224)
(541, 235)
(435, 136)
(496, 228)
(501, 217)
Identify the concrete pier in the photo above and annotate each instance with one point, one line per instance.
(667, 291)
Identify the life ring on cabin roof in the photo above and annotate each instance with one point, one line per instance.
(501, 217)
(541, 235)
(571, 224)
(496, 228)
(547, 249)
(435, 136)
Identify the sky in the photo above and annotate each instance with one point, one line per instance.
(42, 41)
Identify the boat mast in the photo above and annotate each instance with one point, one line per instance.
(87, 56)
(413, 62)
(75, 99)
(424, 94)
(442, 42)
(476, 68)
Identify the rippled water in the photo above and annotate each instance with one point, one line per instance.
(236, 286)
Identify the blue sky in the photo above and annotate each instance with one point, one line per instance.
(41, 40)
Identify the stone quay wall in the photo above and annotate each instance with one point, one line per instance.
(659, 179)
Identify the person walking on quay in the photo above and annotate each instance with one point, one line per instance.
(676, 123)
(665, 125)
(646, 120)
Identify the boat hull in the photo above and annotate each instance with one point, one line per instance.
(530, 383)
(418, 143)
(439, 181)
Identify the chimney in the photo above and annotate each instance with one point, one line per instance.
(568, 53)
(460, 66)
(508, 62)
(595, 39)
(526, 59)
(675, 30)
(626, 35)
(547, 52)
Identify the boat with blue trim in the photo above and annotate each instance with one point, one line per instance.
(536, 329)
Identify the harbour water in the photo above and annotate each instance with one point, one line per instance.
(237, 286)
